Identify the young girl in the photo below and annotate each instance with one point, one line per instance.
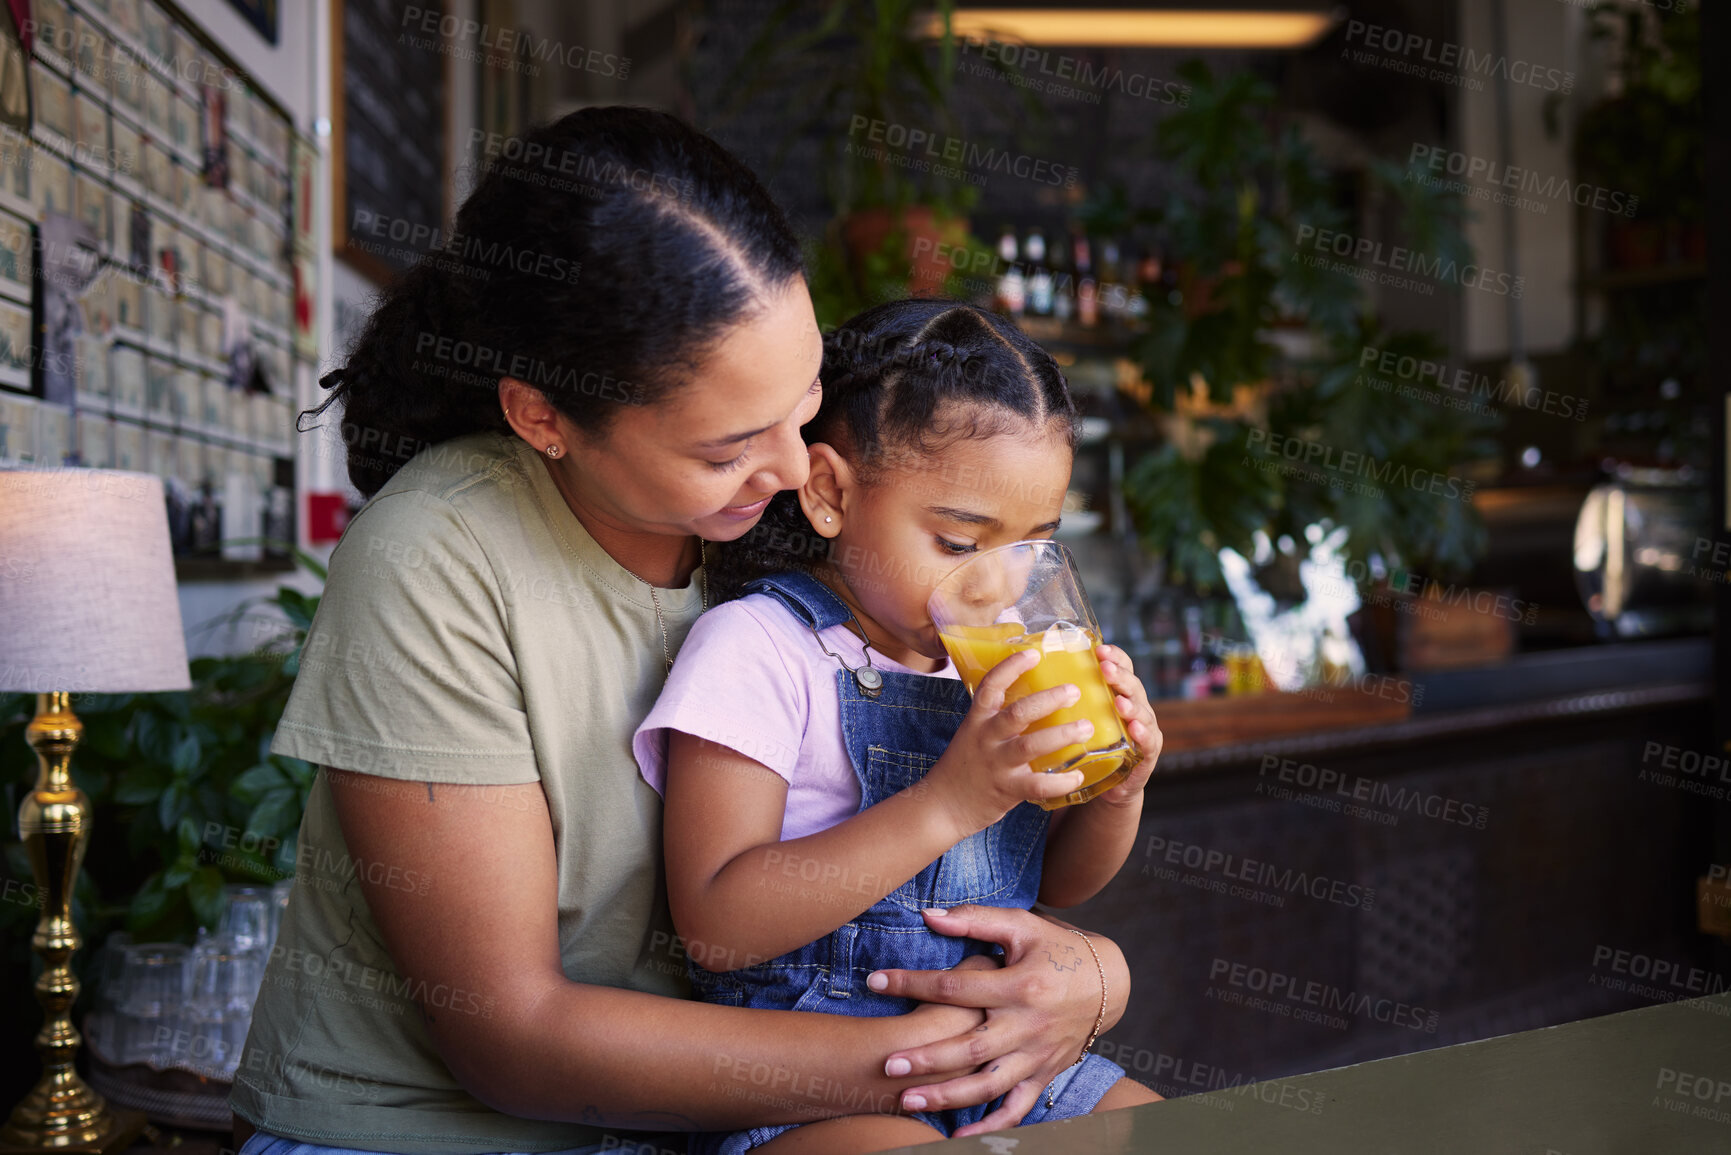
(827, 776)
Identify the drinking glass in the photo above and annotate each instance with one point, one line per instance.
(279, 900)
(224, 986)
(246, 920)
(152, 993)
(1028, 596)
(102, 1024)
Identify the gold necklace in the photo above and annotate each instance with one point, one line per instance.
(703, 595)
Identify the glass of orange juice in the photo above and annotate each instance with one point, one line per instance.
(1028, 596)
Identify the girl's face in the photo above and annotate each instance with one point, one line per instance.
(709, 459)
(897, 538)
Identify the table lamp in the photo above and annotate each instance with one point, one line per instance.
(87, 604)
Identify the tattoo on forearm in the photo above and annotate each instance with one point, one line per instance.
(429, 792)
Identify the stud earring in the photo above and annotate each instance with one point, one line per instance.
(827, 519)
(553, 451)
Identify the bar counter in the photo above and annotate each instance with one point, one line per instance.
(1483, 864)
(1644, 1082)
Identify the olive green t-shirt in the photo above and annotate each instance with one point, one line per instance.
(471, 631)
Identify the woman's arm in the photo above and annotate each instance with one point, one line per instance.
(1040, 1009)
(536, 1044)
(739, 895)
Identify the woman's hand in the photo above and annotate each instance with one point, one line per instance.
(1040, 1009)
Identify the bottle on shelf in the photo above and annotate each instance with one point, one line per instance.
(1168, 651)
(1087, 291)
(1112, 295)
(1198, 682)
(1063, 283)
(1012, 285)
(1039, 274)
(1136, 267)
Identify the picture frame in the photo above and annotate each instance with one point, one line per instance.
(52, 183)
(89, 50)
(126, 380)
(90, 198)
(53, 103)
(17, 258)
(129, 446)
(91, 128)
(16, 345)
(95, 441)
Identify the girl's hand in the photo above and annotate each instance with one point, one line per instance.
(985, 771)
(1040, 1009)
(1131, 698)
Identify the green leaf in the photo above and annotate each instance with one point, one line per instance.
(177, 875)
(185, 757)
(298, 607)
(256, 782)
(277, 810)
(205, 891)
(188, 838)
(148, 905)
(300, 770)
(172, 805)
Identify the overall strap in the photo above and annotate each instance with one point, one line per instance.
(808, 599)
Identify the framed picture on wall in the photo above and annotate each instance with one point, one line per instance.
(53, 101)
(17, 252)
(15, 345)
(14, 75)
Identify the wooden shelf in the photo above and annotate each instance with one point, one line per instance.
(1212, 722)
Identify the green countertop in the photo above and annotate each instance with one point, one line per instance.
(1656, 1081)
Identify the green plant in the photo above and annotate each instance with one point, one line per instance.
(874, 80)
(1647, 139)
(860, 68)
(1254, 305)
(188, 797)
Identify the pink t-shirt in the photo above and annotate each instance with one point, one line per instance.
(752, 677)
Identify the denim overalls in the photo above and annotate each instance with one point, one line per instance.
(892, 741)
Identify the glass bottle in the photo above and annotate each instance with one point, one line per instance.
(1087, 291)
(1012, 285)
(1039, 274)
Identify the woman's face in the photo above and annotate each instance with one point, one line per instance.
(709, 458)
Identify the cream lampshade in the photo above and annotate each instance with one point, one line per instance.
(87, 593)
(87, 604)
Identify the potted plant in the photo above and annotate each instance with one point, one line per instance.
(1645, 139)
(188, 796)
(1258, 338)
(877, 89)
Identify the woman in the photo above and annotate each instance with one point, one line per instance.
(608, 365)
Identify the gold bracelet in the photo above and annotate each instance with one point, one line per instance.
(1099, 1020)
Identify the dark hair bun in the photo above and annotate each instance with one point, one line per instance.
(595, 259)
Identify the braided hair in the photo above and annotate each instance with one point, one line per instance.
(902, 381)
(598, 258)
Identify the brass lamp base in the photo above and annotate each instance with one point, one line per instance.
(61, 1113)
(33, 1118)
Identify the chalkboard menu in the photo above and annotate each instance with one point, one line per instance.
(391, 140)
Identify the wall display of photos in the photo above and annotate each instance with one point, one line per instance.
(154, 328)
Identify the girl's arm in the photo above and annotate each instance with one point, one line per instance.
(739, 895)
(1088, 844)
(482, 942)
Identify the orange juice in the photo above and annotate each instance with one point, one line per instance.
(1066, 656)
